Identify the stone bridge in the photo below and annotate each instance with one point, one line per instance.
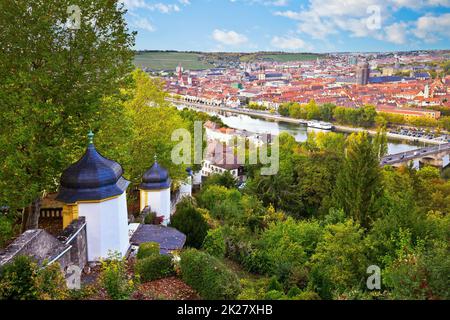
(432, 155)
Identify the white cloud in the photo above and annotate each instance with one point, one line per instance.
(159, 6)
(396, 33)
(432, 28)
(366, 18)
(230, 38)
(290, 43)
(143, 24)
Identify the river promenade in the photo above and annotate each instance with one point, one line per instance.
(276, 117)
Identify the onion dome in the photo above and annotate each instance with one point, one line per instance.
(155, 178)
(91, 178)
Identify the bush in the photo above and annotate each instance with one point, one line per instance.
(191, 222)
(114, 279)
(214, 243)
(17, 280)
(152, 218)
(6, 230)
(154, 267)
(23, 279)
(275, 295)
(148, 249)
(208, 276)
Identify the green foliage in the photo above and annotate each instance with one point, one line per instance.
(214, 243)
(208, 276)
(114, 279)
(339, 261)
(50, 283)
(148, 249)
(274, 285)
(189, 220)
(225, 179)
(286, 246)
(6, 230)
(23, 279)
(154, 267)
(275, 295)
(361, 117)
(359, 185)
(419, 274)
(55, 80)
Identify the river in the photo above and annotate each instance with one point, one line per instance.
(300, 132)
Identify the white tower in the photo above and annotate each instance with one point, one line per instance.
(155, 191)
(94, 188)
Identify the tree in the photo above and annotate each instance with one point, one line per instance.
(359, 185)
(52, 83)
(339, 263)
(189, 220)
(153, 122)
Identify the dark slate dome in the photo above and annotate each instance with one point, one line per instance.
(155, 178)
(91, 178)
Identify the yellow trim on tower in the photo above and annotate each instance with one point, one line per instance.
(69, 213)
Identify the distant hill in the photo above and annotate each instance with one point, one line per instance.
(169, 60)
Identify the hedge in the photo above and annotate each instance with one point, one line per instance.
(208, 276)
(148, 249)
(154, 267)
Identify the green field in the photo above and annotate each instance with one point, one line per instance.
(169, 60)
(286, 57)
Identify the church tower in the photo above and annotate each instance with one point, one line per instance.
(94, 188)
(155, 191)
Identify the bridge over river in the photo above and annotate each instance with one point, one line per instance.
(432, 155)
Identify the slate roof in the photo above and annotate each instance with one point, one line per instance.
(155, 178)
(168, 238)
(93, 177)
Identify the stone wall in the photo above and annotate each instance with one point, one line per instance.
(68, 249)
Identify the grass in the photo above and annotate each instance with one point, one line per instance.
(170, 60)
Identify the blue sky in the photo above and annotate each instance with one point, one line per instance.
(290, 25)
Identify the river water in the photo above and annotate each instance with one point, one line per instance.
(300, 132)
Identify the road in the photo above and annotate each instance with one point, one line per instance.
(414, 154)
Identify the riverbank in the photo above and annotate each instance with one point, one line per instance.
(276, 117)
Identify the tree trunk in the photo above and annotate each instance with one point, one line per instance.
(33, 214)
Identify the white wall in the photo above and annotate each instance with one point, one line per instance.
(107, 227)
(159, 202)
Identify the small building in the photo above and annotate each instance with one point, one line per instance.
(94, 188)
(155, 191)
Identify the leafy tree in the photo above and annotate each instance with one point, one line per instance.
(225, 179)
(153, 122)
(52, 83)
(359, 184)
(191, 222)
(339, 262)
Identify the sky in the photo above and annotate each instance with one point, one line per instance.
(290, 25)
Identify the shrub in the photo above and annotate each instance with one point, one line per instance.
(6, 230)
(113, 278)
(191, 222)
(274, 285)
(17, 279)
(208, 276)
(152, 218)
(51, 283)
(293, 292)
(23, 279)
(148, 249)
(275, 295)
(154, 267)
(214, 243)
